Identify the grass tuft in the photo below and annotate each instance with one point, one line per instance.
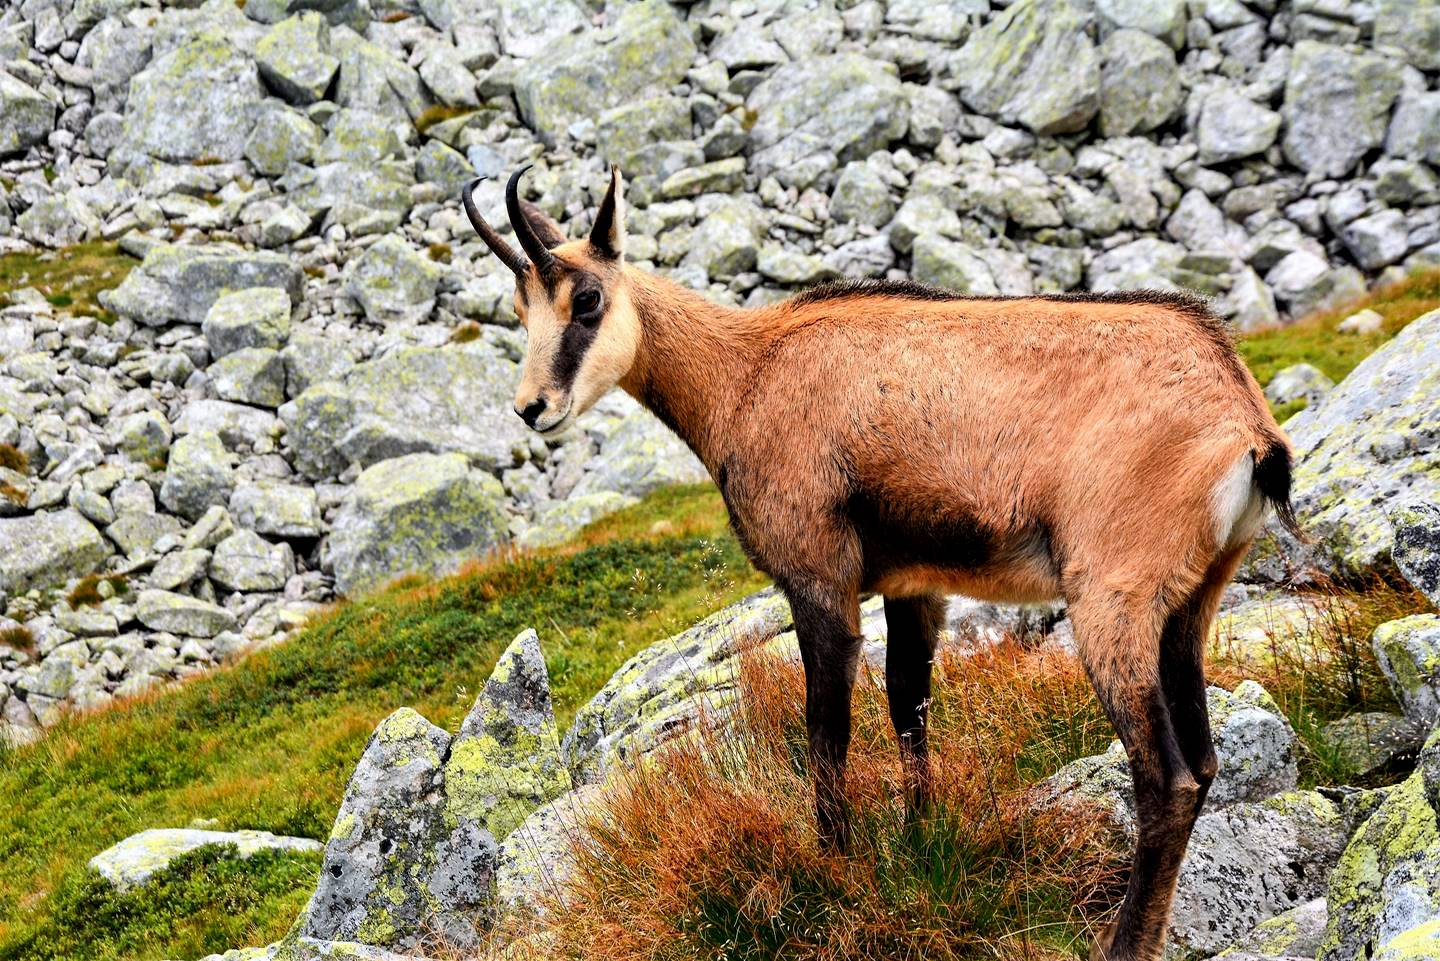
(71, 277)
(466, 333)
(1324, 668)
(439, 113)
(87, 593)
(18, 638)
(733, 868)
(14, 459)
(440, 253)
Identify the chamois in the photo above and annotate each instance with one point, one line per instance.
(1107, 449)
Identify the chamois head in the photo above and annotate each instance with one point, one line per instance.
(572, 298)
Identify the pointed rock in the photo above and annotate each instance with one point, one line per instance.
(505, 762)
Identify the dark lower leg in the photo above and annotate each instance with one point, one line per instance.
(1182, 677)
(829, 648)
(912, 630)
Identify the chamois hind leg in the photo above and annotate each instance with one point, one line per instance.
(1182, 670)
(912, 629)
(1119, 639)
(827, 625)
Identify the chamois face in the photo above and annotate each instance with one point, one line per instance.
(573, 299)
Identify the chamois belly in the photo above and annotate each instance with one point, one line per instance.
(952, 552)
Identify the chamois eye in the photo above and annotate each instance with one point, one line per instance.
(587, 303)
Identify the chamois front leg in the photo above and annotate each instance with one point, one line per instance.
(827, 626)
(912, 627)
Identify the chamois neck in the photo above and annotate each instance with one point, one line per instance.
(694, 358)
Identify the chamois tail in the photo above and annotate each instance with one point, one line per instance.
(1272, 480)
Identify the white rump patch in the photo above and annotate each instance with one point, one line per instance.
(1239, 508)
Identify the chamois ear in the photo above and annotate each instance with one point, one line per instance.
(546, 229)
(607, 236)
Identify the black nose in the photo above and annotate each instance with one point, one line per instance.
(532, 411)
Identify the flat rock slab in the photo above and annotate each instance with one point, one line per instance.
(132, 862)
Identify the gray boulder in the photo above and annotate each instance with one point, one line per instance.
(1298, 382)
(646, 50)
(505, 762)
(180, 284)
(1377, 240)
(1359, 450)
(1411, 28)
(1035, 65)
(26, 116)
(390, 860)
(727, 241)
(1295, 933)
(277, 509)
(1252, 862)
(1416, 549)
(661, 691)
(1387, 884)
(861, 196)
(280, 138)
(198, 476)
(1254, 742)
(530, 28)
(952, 265)
(538, 856)
(640, 456)
(199, 101)
(1337, 106)
(1139, 83)
(1409, 654)
(393, 282)
(1232, 126)
(182, 614)
(46, 549)
(559, 521)
(419, 512)
(411, 400)
(1159, 18)
(814, 115)
(131, 863)
(294, 58)
(1374, 741)
(245, 561)
(253, 375)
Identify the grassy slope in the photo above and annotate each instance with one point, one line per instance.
(271, 743)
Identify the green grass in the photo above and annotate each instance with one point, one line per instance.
(1313, 340)
(204, 897)
(70, 278)
(270, 743)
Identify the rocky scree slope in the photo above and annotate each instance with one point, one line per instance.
(302, 388)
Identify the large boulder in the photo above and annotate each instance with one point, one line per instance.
(182, 614)
(1408, 651)
(134, 861)
(1033, 64)
(1365, 446)
(47, 549)
(660, 691)
(1139, 83)
(1387, 883)
(1337, 106)
(179, 284)
(200, 475)
(372, 78)
(1251, 862)
(1295, 933)
(505, 762)
(413, 852)
(294, 58)
(419, 512)
(647, 50)
(409, 401)
(823, 112)
(26, 116)
(197, 102)
(389, 859)
(393, 282)
(1254, 742)
(1232, 126)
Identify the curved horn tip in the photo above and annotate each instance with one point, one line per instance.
(530, 242)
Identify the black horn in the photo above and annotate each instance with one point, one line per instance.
(524, 231)
(507, 254)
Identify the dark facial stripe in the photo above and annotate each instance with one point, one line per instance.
(575, 340)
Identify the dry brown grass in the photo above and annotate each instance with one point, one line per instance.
(711, 851)
(18, 638)
(86, 592)
(14, 459)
